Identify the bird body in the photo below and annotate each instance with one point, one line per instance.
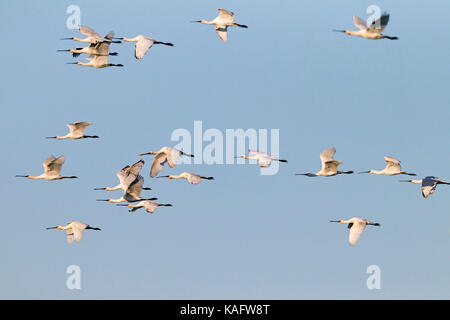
(96, 62)
(264, 159)
(192, 178)
(356, 226)
(74, 230)
(143, 44)
(372, 31)
(149, 206)
(126, 176)
(221, 23)
(329, 165)
(429, 184)
(92, 36)
(52, 168)
(165, 154)
(76, 131)
(94, 49)
(132, 193)
(393, 167)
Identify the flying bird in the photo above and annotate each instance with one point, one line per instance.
(52, 169)
(392, 168)
(221, 23)
(96, 62)
(94, 49)
(356, 226)
(264, 159)
(429, 184)
(76, 131)
(165, 154)
(74, 230)
(143, 44)
(132, 193)
(149, 206)
(127, 175)
(92, 36)
(329, 165)
(370, 31)
(192, 178)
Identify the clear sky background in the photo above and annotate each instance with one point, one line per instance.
(242, 236)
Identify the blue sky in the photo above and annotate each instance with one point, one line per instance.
(243, 235)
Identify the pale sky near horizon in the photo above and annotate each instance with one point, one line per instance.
(243, 235)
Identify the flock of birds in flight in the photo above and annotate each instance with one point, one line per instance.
(131, 182)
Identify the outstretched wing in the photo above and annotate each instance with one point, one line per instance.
(193, 178)
(225, 16)
(392, 163)
(158, 162)
(54, 167)
(89, 32)
(359, 23)
(380, 23)
(355, 232)
(222, 32)
(142, 46)
(172, 156)
(77, 128)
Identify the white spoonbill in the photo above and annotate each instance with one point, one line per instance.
(94, 49)
(96, 62)
(165, 154)
(52, 169)
(192, 178)
(126, 176)
(74, 230)
(264, 159)
(356, 226)
(392, 168)
(76, 131)
(371, 31)
(143, 44)
(149, 206)
(132, 193)
(221, 23)
(329, 165)
(92, 36)
(429, 184)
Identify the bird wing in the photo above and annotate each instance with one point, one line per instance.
(222, 32)
(172, 157)
(428, 186)
(70, 235)
(77, 230)
(328, 155)
(135, 169)
(225, 16)
(331, 166)
(359, 23)
(77, 128)
(355, 231)
(48, 161)
(392, 163)
(150, 206)
(100, 60)
(54, 167)
(264, 160)
(142, 46)
(381, 23)
(158, 162)
(89, 32)
(102, 48)
(193, 178)
(134, 190)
